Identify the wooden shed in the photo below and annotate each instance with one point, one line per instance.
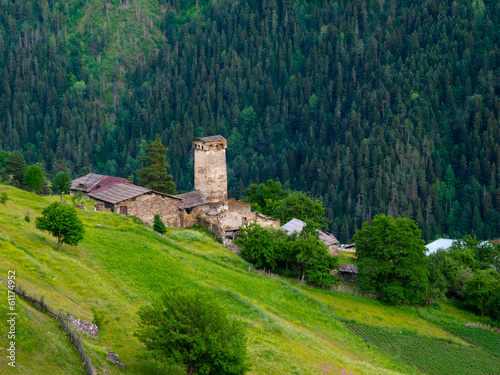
(348, 272)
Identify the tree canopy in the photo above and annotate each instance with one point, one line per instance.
(62, 222)
(189, 328)
(391, 260)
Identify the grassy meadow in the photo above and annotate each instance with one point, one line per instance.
(122, 264)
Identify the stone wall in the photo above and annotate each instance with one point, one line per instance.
(266, 221)
(146, 206)
(210, 171)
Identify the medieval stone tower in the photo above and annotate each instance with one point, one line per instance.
(210, 171)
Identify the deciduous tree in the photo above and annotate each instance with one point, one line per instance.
(391, 260)
(189, 328)
(62, 222)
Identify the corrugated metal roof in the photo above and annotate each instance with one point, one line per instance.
(212, 138)
(192, 199)
(119, 193)
(349, 268)
(294, 226)
(87, 182)
(328, 238)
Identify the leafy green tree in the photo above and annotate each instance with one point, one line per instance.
(299, 205)
(62, 222)
(260, 245)
(480, 289)
(62, 183)
(189, 328)
(154, 175)
(33, 177)
(265, 197)
(391, 260)
(15, 165)
(158, 225)
(271, 248)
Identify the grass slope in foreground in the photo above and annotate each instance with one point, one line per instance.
(121, 265)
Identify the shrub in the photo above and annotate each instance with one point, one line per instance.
(158, 225)
(4, 198)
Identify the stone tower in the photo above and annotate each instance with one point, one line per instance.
(210, 171)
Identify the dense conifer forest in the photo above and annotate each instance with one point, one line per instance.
(371, 106)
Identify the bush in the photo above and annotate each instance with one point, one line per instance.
(4, 198)
(158, 225)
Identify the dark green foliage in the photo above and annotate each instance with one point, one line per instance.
(61, 183)
(15, 165)
(270, 249)
(4, 198)
(189, 328)
(375, 107)
(266, 197)
(27, 219)
(391, 260)
(62, 222)
(33, 178)
(299, 205)
(481, 288)
(158, 225)
(493, 308)
(154, 175)
(46, 188)
(436, 356)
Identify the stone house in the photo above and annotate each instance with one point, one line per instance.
(207, 205)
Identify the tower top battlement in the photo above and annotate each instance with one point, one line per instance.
(212, 143)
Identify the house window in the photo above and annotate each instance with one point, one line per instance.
(123, 210)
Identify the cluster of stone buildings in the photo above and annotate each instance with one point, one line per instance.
(207, 205)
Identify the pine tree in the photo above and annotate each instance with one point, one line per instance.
(154, 175)
(16, 166)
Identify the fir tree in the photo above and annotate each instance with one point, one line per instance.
(154, 175)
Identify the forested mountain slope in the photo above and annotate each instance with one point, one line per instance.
(373, 106)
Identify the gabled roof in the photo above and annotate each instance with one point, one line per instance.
(87, 182)
(192, 199)
(212, 138)
(328, 238)
(348, 268)
(119, 193)
(293, 226)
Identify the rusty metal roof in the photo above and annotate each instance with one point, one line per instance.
(212, 138)
(348, 268)
(192, 199)
(87, 182)
(108, 182)
(119, 193)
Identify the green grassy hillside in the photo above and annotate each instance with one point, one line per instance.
(123, 264)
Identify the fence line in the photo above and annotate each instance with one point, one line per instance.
(63, 321)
